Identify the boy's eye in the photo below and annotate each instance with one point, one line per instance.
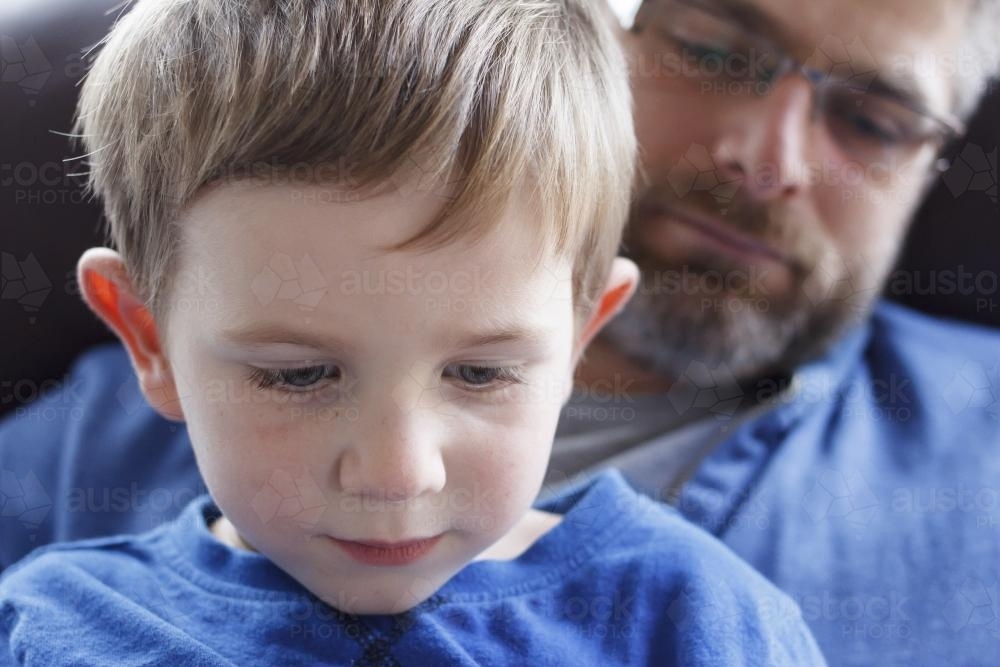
(294, 379)
(483, 376)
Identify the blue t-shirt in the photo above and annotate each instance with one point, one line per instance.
(621, 580)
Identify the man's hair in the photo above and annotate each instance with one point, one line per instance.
(983, 26)
(486, 95)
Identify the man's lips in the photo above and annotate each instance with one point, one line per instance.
(377, 552)
(736, 240)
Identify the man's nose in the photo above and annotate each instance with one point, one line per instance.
(395, 457)
(766, 141)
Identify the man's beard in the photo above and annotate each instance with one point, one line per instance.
(665, 327)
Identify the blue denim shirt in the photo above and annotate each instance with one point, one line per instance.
(869, 494)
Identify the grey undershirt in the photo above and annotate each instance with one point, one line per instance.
(656, 440)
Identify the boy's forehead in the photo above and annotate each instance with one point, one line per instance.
(366, 222)
(278, 248)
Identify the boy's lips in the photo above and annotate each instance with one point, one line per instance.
(381, 553)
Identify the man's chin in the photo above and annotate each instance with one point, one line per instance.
(750, 338)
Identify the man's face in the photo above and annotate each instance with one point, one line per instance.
(768, 222)
(336, 391)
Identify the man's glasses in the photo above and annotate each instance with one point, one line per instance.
(870, 124)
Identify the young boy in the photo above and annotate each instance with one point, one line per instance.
(362, 245)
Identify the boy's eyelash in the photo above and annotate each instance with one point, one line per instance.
(283, 378)
(266, 378)
(505, 375)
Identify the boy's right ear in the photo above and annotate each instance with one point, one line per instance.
(108, 291)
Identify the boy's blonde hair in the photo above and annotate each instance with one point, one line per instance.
(486, 94)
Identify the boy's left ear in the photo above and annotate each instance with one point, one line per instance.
(621, 285)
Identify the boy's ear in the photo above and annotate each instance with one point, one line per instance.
(621, 285)
(107, 290)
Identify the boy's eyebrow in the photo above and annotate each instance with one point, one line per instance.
(272, 333)
(512, 334)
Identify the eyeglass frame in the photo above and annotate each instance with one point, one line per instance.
(951, 126)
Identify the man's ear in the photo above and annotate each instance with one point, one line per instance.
(621, 285)
(107, 290)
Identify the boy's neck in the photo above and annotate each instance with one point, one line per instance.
(227, 534)
(531, 528)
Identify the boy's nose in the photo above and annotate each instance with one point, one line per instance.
(397, 457)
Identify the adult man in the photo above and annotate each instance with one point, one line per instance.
(755, 382)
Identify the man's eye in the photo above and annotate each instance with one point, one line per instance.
(294, 379)
(871, 128)
(483, 376)
(871, 119)
(703, 50)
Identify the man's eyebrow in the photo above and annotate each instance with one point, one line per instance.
(752, 17)
(749, 14)
(902, 89)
